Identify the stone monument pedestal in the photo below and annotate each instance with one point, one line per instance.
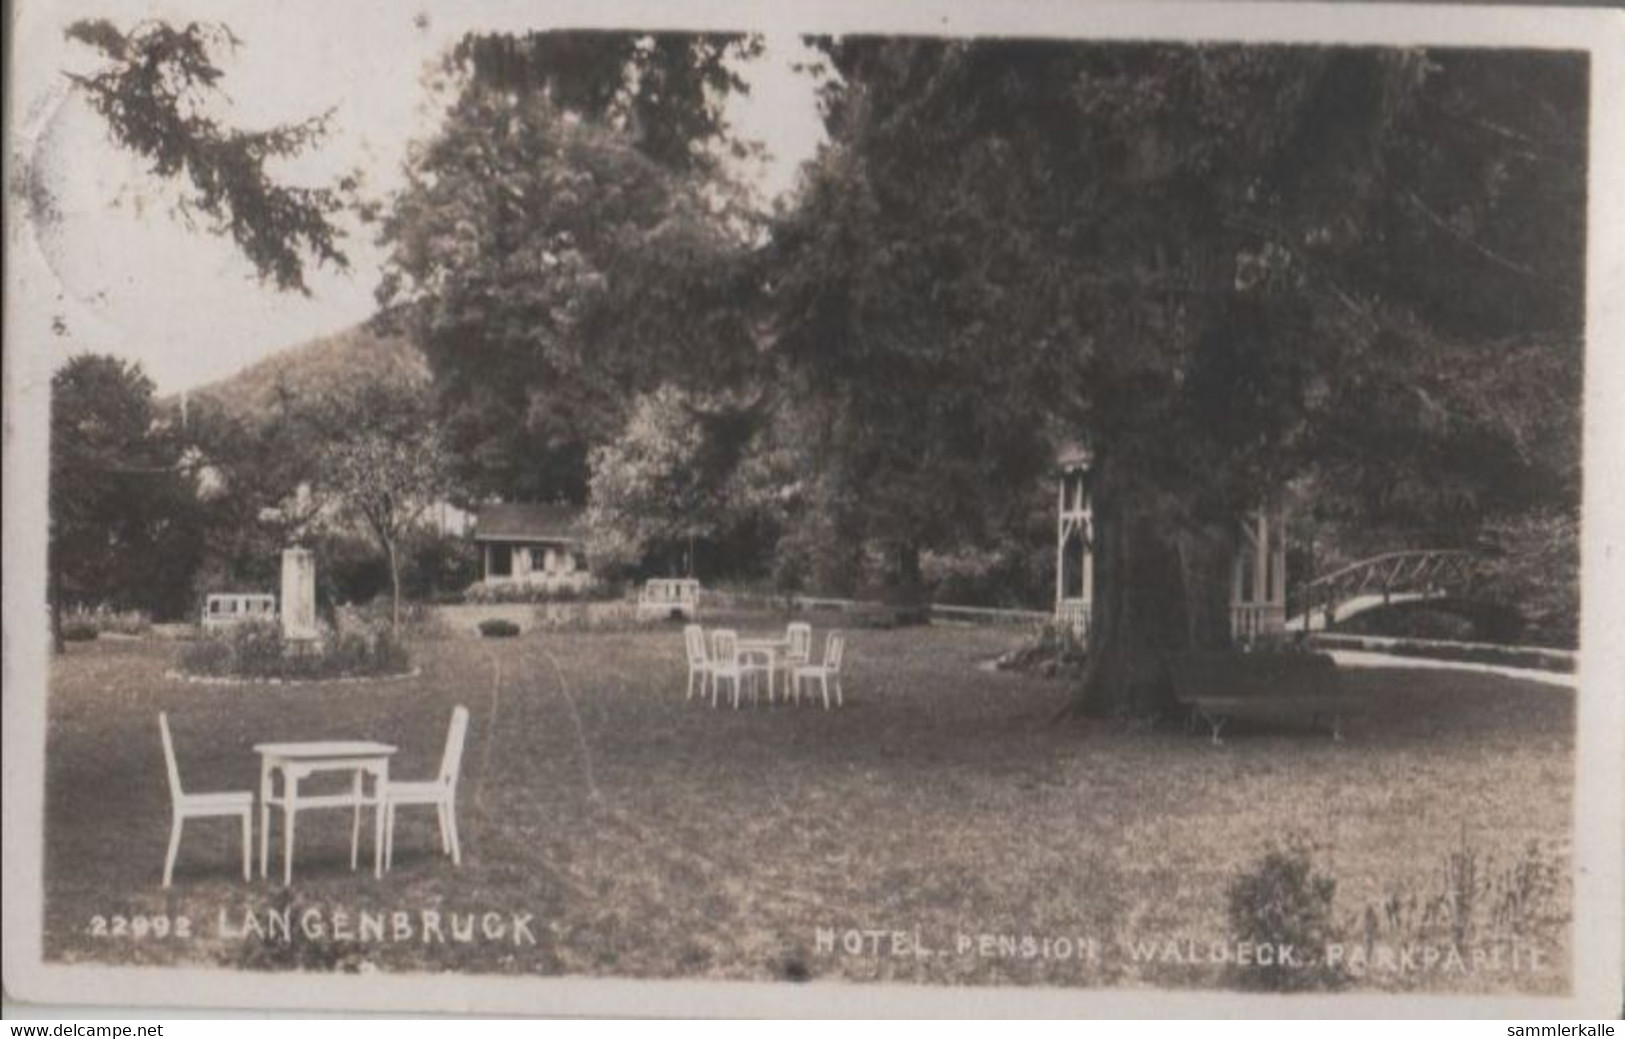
(299, 595)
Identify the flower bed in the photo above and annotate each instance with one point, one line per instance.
(620, 615)
(258, 652)
(543, 592)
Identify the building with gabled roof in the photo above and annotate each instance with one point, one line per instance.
(531, 544)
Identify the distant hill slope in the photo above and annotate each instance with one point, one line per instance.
(313, 368)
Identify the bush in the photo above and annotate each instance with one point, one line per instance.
(103, 621)
(497, 628)
(1534, 561)
(1004, 576)
(206, 656)
(1051, 649)
(79, 628)
(1473, 897)
(419, 621)
(1281, 901)
(350, 570)
(525, 592)
(613, 616)
(123, 622)
(438, 565)
(257, 650)
(1413, 623)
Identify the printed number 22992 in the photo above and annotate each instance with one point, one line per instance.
(157, 926)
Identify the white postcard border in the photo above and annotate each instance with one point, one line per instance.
(1599, 836)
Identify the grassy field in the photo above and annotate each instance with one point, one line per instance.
(646, 836)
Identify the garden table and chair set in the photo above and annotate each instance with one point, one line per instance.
(366, 762)
(727, 658)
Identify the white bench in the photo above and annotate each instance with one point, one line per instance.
(669, 599)
(223, 610)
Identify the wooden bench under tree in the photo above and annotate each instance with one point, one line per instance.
(1216, 687)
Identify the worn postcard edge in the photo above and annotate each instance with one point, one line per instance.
(1599, 831)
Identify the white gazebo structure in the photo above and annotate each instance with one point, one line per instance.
(1258, 582)
(1074, 554)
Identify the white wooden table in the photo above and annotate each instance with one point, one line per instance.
(299, 761)
(770, 652)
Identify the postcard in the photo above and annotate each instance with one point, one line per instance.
(812, 509)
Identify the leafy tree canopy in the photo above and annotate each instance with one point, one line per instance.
(665, 91)
(154, 92)
(1223, 266)
(1226, 260)
(666, 481)
(553, 264)
(123, 505)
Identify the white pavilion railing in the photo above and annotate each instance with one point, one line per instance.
(1250, 622)
(1073, 615)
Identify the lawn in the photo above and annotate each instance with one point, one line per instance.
(646, 836)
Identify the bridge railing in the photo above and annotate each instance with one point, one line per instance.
(1424, 571)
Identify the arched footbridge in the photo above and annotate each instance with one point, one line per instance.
(1394, 577)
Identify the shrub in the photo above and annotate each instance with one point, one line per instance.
(497, 628)
(528, 592)
(123, 622)
(612, 616)
(1534, 560)
(1473, 897)
(206, 656)
(419, 621)
(439, 565)
(1005, 575)
(1051, 649)
(350, 569)
(1413, 623)
(1282, 901)
(103, 621)
(79, 628)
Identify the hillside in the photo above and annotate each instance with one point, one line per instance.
(315, 367)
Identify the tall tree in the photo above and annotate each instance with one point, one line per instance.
(665, 91)
(564, 244)
(385, 464)
(666, 482)
(123, 506)
(260, 484)
(155, 89)
(1222, 266)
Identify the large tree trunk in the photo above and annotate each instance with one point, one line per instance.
(905, 586)
(1157, 592)
(394, 587)
(910, 581)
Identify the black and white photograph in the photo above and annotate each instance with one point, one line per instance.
(796, 510)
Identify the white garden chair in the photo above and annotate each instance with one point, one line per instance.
(727, 664)
(825, 673)
(699, 662)
(441, 792)
(184, 806)
(798, 639)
